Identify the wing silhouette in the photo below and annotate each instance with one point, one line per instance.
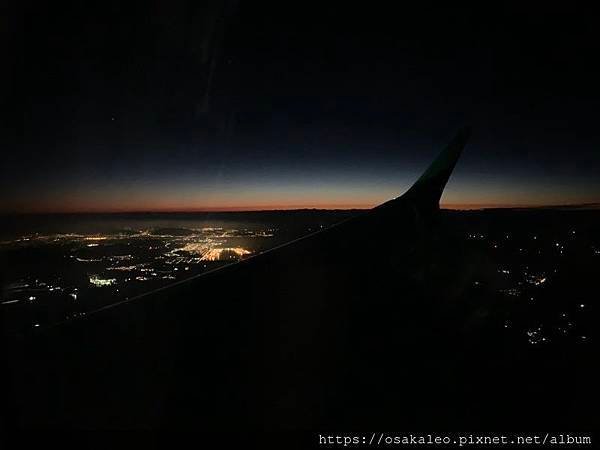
(337, 328)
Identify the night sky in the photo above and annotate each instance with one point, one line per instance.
(189, 105)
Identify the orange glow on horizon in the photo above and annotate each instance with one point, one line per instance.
(83, 209)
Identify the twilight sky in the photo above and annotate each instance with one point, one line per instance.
(189, 105)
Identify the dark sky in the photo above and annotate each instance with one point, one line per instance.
(182, 105)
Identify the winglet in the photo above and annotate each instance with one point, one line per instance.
(425, 194)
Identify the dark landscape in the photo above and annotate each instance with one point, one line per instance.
(524, 289)
(541, 265)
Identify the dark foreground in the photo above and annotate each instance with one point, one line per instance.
(476, 321)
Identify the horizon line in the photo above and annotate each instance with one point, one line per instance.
(258, 209)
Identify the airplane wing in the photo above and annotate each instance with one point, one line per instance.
(353, 326)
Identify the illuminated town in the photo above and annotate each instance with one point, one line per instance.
(535, 282)
(87, 271)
